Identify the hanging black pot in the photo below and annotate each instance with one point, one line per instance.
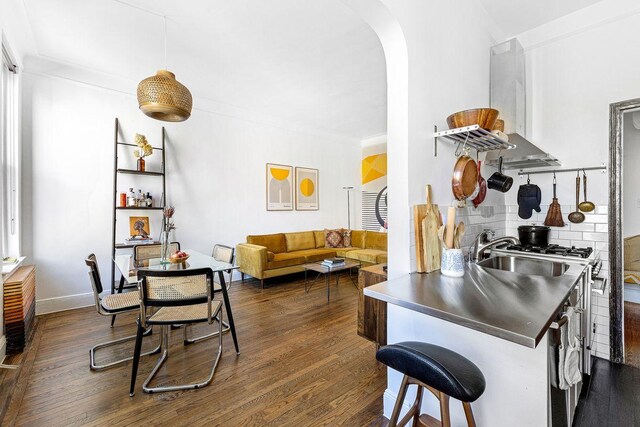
(499, 181)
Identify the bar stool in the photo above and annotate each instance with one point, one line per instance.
(443, 372)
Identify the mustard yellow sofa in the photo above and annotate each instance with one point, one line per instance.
(271, 255)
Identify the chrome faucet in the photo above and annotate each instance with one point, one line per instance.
(482, 243)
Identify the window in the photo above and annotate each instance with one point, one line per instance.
(9, 156)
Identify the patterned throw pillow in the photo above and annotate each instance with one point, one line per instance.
(346, 238)
(333, 239)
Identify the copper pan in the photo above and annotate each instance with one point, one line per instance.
(465, 177)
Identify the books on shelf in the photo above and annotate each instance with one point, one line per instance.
(137, 240)
(333, 262)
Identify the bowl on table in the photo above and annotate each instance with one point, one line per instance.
(178, 260)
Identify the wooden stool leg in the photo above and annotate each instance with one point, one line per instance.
(393, 422)
(418, 405)
(471, 422)
(444, 410)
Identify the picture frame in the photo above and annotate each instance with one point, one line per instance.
(307, 189)
(139, 226)
(279, 187)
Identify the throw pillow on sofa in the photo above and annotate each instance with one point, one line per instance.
(346, 238)
(333, 238)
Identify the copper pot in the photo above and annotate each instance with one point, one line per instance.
(484, 117)
(465, 177)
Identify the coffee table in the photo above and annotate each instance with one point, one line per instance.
(326, 271)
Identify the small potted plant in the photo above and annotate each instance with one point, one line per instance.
(145, 150)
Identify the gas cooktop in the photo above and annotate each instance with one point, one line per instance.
(553, 250)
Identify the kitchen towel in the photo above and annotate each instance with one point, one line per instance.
(529, 196)
(569, 352)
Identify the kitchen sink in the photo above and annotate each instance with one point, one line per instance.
(534, 267)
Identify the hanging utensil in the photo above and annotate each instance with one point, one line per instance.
(586, 206)
(577, 217)
(499, 181)
(554, 215)
(482, 186)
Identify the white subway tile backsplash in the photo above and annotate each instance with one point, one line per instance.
(602, 209)
(560, 242)
(602, 246)
(570, 235)
(582, 227)
(596, 237)
(596, 219)
(602, 228)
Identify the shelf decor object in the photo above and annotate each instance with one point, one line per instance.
(145, 150)
(162, 97)
(158, 201)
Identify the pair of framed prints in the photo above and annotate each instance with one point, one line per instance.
(282, 194)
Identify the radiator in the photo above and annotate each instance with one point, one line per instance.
(19, 307)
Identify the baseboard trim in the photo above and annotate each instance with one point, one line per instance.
(389, 400)
(69, 302)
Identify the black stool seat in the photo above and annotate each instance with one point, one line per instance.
(437, 367)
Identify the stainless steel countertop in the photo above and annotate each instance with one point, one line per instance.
(512, 306)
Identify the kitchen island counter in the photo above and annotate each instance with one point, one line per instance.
(513, 306)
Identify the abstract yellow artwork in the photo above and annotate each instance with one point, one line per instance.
(279, 187)
(307, 198)
(374, 167)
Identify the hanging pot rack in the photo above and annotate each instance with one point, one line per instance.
(602, 168)
(473, 137)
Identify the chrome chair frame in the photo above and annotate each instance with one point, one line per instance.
(96, 284)
(145, 321)
(138, 257)
(216, 288)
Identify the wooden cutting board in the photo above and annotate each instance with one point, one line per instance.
(427, 219)
(419, 214)
(431, 242)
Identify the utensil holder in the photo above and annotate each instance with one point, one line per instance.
(452, 262)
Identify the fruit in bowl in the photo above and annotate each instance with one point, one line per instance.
(178, 256)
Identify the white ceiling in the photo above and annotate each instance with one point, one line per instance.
(517, 16)
(312, 62)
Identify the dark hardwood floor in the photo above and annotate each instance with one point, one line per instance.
(612, 398)
(632, 334)
(301, 364)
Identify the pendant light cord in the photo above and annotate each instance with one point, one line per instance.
(165, 42)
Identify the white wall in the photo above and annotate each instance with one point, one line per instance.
(215, 178)
(576, 67)
(437, 86)
(631, 179)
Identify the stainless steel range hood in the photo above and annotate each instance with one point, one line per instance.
(508, 97)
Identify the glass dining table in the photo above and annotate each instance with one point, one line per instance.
(129, 269)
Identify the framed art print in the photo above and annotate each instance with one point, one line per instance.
(279, 187)
(307, 196)
(139, 226)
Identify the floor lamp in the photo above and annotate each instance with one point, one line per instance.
(348, 206)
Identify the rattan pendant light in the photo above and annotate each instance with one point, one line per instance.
(162, 97)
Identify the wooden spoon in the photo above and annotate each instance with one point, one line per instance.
(577, 217)
(459, 233)
(586, 206)
(441, 236)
